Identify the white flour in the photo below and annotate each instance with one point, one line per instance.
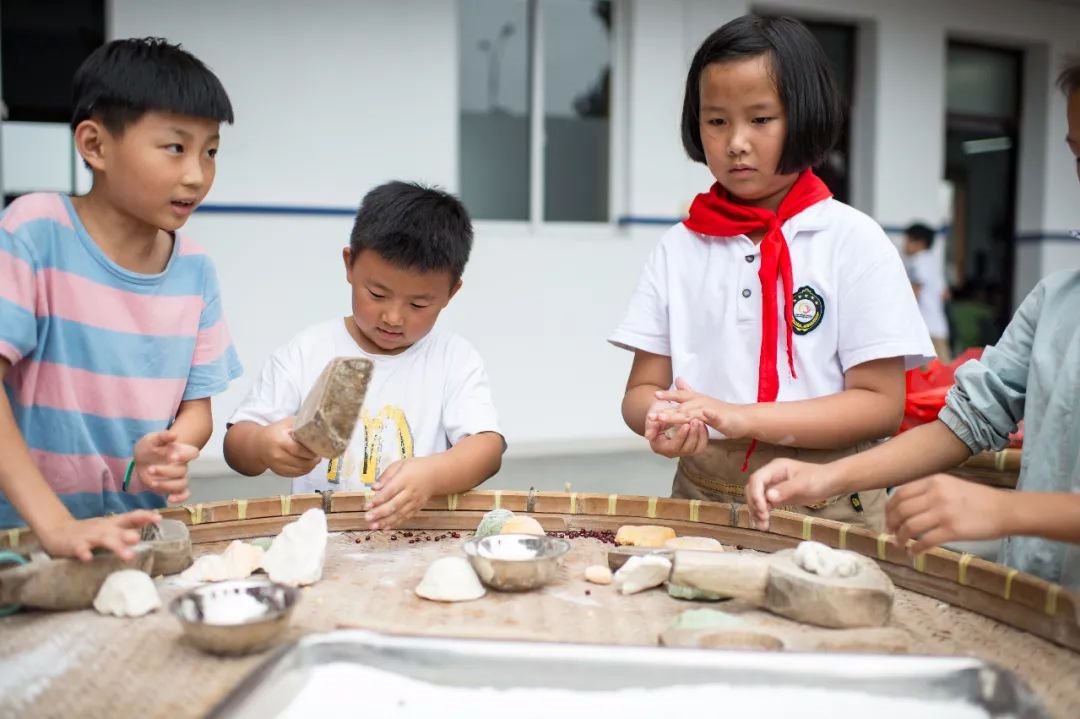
(25, 675)
(229, 608)
(342, 689)
(507, 550)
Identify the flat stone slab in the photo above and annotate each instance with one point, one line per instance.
(862, 600)
(739, 574)
(327, 418)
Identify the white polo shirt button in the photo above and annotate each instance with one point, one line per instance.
(746, 293)
(750, 258)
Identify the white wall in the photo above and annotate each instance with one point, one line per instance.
(332, 98)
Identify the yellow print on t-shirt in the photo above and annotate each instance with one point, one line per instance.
(375, 460)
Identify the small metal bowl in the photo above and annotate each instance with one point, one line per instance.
(515, 562)
(235, 617)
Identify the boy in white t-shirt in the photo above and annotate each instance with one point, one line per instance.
(428, 426)
(928, 281)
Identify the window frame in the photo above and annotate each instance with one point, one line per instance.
(617, 131)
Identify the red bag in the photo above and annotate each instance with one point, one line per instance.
(927, 388)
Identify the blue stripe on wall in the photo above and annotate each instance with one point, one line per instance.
(301, 210)
(623, 221)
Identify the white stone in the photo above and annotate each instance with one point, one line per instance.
(238, 561)
(127, 593)
(824, 561)
(641, 573)
(207, 568)
(701, 544)
(296, 556)
(242, 559)
(598, 574)
(450, 579)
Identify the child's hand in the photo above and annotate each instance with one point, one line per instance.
(673, 440)
(941, 509)
(76, 538)
(785, 482)
(282, 454)
(724, 417)
(161, 464)
(400, 492)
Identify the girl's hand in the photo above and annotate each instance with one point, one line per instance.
(674, 440)
(689, 405)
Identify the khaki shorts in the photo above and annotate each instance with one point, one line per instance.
(716, 475)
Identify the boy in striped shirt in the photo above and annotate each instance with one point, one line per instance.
(112, 337)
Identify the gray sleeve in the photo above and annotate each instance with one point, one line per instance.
(987, 401)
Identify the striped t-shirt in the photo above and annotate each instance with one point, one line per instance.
(100, 355)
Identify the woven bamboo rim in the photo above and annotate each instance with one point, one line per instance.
(998, 469)
(1004, 594)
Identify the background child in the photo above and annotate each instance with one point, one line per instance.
(1032, 373)
(928, 281)
(768, 272)
(428, 426)
(112, 338)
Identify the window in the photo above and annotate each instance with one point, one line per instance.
(838, 41)
(982, 136)
(41, 46)
(535, 98)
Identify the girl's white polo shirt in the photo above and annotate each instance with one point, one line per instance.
(699, 302)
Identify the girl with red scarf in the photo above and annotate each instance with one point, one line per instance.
(775, 321)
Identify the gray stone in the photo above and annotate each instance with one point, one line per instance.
(739, 574)
(862, 600)
(327, 418)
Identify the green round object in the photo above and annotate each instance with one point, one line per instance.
(493, 522)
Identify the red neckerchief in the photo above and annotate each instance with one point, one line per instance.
(714, 213)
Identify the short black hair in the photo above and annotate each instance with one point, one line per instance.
(415, 227)
(921, 233)
(804, 82)
(1069, 79)
(124, 79)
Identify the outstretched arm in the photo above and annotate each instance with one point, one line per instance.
(59, 533)
(870, 406)
(918, 452)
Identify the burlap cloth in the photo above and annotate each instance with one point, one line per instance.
(81, 664)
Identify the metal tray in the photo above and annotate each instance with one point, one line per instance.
(798, 684)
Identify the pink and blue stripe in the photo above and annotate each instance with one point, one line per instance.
(100, 355)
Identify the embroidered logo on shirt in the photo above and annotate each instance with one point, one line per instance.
(808, 310)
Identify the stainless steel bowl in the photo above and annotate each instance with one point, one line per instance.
(516, 562)
(235, 617)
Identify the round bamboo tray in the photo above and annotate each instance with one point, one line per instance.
(998, 469)
(81, 663)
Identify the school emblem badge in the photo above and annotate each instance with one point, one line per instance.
(808, 310)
